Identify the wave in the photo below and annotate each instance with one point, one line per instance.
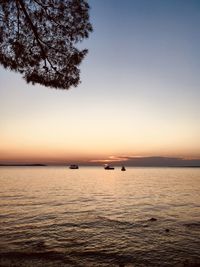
(192, 225)
(31, 258)
(85, 258)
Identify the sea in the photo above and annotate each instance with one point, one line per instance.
(90, 217)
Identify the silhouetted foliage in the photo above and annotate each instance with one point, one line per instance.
(38, 39)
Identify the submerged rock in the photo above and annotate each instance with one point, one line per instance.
(152, 219)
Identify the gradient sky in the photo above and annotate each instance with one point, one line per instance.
(139, 94)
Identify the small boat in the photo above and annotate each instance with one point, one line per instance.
(107, 167)
(123, 168)
(73, 166)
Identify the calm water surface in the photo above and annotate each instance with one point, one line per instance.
(54, 216)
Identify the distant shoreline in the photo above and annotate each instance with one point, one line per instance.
(23, 165)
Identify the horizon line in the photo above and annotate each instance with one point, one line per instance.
(147, 161)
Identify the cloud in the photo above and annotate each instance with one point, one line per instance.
(110, 159)
(157, 161)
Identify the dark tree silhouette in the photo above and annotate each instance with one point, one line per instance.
(38, 39)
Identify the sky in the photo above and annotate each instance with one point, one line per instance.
(139, 95)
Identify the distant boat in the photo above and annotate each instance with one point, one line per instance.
(107, 167)
(123, 168)
(73, 166)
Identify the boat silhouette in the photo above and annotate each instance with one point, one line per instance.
(123, 168)
(73, 166)
(107, 167)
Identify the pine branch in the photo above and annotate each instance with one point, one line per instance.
(37, 37)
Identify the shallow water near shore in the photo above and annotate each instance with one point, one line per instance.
(54, 216)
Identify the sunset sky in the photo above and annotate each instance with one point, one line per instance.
(139, 96)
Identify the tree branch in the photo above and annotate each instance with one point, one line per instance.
(42, 5)
(17, 19)
(37, 37)
(32, 27)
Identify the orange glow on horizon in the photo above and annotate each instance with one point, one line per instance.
(59, 156)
